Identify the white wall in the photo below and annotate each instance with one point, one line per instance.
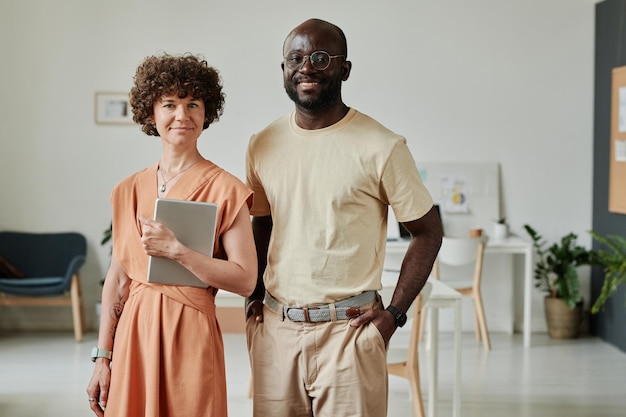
(468, 80)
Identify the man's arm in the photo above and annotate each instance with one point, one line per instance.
(426, 234)
(262, 230)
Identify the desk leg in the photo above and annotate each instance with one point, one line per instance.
(528, 278)
(433, 382)
(456, 403)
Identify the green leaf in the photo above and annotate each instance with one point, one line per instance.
(612, 258)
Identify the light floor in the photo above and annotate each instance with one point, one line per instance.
(45, 374)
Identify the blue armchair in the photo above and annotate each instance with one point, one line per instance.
(45, 268)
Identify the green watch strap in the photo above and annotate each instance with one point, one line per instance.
(100, 353)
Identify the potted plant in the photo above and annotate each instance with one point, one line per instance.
(556, 273)
(613, 261)
(500, 228)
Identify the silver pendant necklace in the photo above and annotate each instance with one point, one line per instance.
(164, 185)
(162, 189)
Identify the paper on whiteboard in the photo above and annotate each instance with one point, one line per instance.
(454, 193)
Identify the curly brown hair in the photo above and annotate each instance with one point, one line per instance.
(163, 75)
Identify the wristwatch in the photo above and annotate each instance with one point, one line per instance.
(398, 316)
(100, 353)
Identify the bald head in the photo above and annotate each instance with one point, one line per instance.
(319, 27)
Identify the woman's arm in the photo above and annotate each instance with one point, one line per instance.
(114, 295)
(237, 274)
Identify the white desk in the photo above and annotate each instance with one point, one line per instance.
(511, 245)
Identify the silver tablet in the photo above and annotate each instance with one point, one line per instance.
(194, 224)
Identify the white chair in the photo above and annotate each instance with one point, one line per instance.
(460, 264)
(403, 361)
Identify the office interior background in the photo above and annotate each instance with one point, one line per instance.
(510, 82)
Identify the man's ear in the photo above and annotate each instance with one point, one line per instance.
(346, 67)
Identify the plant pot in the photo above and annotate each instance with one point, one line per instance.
(500, 230)
(563, 321)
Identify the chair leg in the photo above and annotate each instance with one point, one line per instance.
(416, 391)
(422, 324)
(482, 323)
(477, 329)
(78, 313)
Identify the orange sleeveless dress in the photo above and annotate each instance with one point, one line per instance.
(168, 354)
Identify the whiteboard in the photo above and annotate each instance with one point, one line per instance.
(468, 194)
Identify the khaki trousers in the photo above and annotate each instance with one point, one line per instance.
(326, 369)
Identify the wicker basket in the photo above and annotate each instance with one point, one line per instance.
(563, 321)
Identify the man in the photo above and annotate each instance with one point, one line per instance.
(323, 179)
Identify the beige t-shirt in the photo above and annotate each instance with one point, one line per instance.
(328, 193)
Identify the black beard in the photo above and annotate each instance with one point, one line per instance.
(328, 96)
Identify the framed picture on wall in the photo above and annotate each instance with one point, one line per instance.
(112, 108)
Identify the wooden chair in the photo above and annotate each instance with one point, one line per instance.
(48, 266)
(404, 361)
(459, 256)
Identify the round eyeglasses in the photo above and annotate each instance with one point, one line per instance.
(320, 60)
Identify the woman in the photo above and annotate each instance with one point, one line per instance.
(164, 340)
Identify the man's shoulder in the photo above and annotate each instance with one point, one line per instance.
(375, 131)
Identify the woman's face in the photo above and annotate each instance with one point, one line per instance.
(179, 120)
